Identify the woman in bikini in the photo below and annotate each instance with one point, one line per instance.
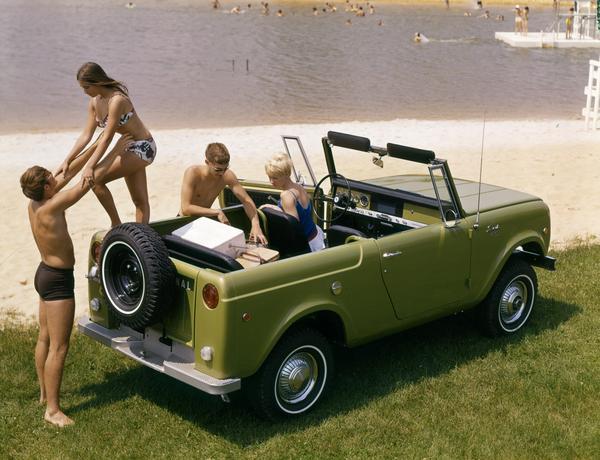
(110, 108)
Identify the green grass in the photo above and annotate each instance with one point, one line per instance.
(439, 391)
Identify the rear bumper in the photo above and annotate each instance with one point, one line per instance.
(176, 360)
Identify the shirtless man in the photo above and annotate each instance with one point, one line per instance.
(54, 277)
(203, 183)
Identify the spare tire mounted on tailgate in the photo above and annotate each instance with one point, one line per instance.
(137, 274)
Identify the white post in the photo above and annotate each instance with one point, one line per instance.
(588, 93)
(592, 92)
(596, 89)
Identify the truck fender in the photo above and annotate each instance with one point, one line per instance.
(529, 239)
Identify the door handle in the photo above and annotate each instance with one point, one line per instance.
(391, 254)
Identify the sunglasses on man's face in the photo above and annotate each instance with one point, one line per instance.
(220, 169)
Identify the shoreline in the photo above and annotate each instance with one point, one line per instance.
(547, 158)
(419, 2)
(466, 119)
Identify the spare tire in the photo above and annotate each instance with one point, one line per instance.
(137, 275)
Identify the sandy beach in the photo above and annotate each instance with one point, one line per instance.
(552, 159)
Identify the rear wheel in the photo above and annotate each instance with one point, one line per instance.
(294, 377)
(508, 306)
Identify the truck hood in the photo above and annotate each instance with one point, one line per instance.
(492, 196)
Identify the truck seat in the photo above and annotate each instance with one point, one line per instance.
(284, 233)
(338, 234)
(199, 255)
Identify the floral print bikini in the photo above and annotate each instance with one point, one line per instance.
(144, 148)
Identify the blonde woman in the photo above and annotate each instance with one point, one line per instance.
(111, 108)
(293, 199)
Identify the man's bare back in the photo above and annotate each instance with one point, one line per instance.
(51, 235)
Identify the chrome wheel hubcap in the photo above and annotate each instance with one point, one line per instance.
(513, 302)
(297, 377)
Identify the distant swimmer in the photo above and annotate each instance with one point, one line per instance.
(236, 10)
(280, 13)
(479, 5)
(485, 15)
(420, 38)
(380, 22)
(500, 17)
(130, 5)
(467, 13)
(371, 9)
(348, 22)
(216, 4)
(360, 13)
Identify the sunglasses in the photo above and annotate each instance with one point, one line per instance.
(221, 169)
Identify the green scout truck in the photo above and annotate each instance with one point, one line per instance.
(402, 250)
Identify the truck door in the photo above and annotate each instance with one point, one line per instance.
(428, 268)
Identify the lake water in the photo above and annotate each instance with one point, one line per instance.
(189, 66)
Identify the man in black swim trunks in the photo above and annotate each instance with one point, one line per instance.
(54, 277)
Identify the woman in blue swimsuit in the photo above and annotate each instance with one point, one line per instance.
(110, 108)
(293, 199)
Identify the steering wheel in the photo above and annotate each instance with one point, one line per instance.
(342, 203)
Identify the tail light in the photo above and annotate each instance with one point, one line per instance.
(96, 246)
(210, 295)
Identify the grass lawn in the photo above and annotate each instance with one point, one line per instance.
(438, 391)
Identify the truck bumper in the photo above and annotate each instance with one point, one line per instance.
(174, 361)
(537, 260)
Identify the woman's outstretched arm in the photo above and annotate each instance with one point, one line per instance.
(80, 143)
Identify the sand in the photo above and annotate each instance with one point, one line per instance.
(553, 159)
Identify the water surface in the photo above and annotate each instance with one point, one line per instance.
(189, 66)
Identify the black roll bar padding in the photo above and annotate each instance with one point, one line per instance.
(349, 141)
(410, 153)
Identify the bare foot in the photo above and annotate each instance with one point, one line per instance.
(58, 419)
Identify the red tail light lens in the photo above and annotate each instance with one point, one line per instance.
(96, 251)
(210, 295)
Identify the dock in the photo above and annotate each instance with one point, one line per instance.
(546, 40)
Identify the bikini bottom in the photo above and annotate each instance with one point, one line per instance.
(145, 149)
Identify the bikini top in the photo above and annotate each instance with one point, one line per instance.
(122, 120)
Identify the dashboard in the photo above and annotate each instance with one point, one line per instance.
(378, 214)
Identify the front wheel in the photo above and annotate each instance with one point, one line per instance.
(508, 306)
(294, 377)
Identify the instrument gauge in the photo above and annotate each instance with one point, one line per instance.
(363, 200)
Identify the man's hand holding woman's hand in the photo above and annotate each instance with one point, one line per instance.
(88, 177)
(64, 169)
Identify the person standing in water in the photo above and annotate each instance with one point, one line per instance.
(518, 20)
(111, 108)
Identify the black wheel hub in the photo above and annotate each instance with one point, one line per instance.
(125, 277)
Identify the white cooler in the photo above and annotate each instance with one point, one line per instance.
(214, 235)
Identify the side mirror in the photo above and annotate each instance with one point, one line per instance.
(450, 218)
